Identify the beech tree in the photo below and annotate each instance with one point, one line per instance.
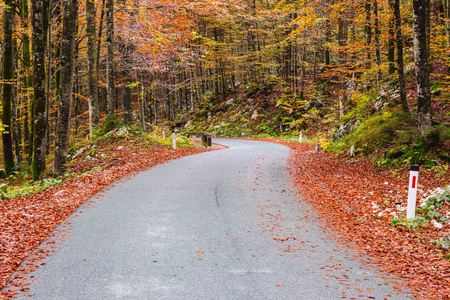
(421, 12)
(92, 76)
(39, 24)
(65, 99)
(395, 4)
(110, 68)
(7, 84)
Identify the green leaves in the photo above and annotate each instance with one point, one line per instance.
(28, 187)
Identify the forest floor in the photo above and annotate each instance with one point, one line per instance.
(356, 199)
(360, 201)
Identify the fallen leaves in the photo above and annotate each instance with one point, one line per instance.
(343, 193)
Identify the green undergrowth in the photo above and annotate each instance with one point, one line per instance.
(20, 183)
(391, 136)
(430, 210)
(114, 130)
(32, 187)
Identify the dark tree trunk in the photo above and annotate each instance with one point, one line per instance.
(65, 102)
(7, 84)
(377, 38)
(28, 83)
(110, 69)
(421, 19)
(39, 38)
(400, 67)
(447, 20)
(368, 30)
(342, 41)
(391, 45)
(94, 118)
(126, 105)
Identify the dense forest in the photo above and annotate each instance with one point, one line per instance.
(371, 75)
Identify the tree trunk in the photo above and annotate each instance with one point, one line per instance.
(421, 56)
(368, 30)
(447, 20)
(377, 39)
(342, 41)
(65, 101)
(28, 83)
(400, 67)
(126, 105)
(8, 84)
(39, 98)
(94, 118)
(110, 69)
(391, 45)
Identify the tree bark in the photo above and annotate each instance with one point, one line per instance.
(110, 69)
(391, 45)
(368, 30)
(126, 105)
(447, 20)
(65, 99)
(377, 38)
(94, 118)
(421, 55)
(400, 68)
(39, 39)
(28, 83)
(8, 84)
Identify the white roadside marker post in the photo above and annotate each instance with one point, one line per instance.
(412, 192)
(300, 136)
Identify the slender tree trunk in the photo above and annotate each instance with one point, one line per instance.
(368, 30)
(420, 19)
(65, 102)
(400, 67)
(327, 41)
(391, 45)
(39, 38)
(447, 20)
(28, 83)
(110, 69)
(342, 41)
(94, 118)
(377, 38)
(126, 105)
(7, 84)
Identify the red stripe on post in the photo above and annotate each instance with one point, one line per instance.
(414, 182)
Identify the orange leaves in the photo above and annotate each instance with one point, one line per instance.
(344, 194)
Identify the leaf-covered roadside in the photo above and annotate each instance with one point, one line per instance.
(26, 221)
(349, 194)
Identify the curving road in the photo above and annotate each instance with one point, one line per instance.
(218, 225)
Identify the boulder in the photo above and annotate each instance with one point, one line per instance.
(345, 129)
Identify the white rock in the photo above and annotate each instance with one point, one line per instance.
(436, 224)
(230, 102)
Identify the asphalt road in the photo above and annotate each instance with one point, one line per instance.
(219, 225)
